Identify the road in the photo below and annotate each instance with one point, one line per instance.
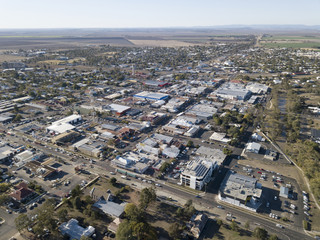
(8, 229)
(207, 201)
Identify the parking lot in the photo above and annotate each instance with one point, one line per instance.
(271, 181)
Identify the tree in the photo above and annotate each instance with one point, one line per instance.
(247, 225)
(189, 144)
(4, 187)
(234, 226)
(77, 202)
(3, 199)
(175, 231)
(273, 237)
(143, 230)
(84, 237)
(219, 222)
(76, 191)
(147, 196)
(113, 181)
(62, 215)
(260, 233)
(132, 212)
(22, 222)
(125, 231)
(227, 151)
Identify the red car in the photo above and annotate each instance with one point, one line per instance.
(260, 172)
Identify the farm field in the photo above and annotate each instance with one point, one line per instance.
(291, 41)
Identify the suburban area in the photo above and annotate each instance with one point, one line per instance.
(179, 136)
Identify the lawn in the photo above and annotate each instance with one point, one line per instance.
(213, 231)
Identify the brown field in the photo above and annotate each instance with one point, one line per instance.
(161, 43)
(8, 58)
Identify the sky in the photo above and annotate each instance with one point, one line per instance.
(155, 13)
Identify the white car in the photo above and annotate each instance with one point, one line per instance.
(306, 213)
(279, 225)
(158, 185)
(275, 198)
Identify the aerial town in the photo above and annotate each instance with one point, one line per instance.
(151, 142)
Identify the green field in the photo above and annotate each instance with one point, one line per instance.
(291, 44)
(291, 38)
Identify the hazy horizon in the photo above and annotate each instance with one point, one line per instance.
(125, 14)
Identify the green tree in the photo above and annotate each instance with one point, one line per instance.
(113, 181)
(76, 191)
(260, 233)
(175, 231)
(132, 212)
(125, 231)
(234, 226)
(77, 202)
(247, 225)
(219, 222)
(22, 222)
(189, 144)
(4, 187)
(143, 230)
(63, 215)
(147, 196)
(227, 151)
(273, 237)
(4, 198)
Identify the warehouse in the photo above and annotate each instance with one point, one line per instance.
(152, 96)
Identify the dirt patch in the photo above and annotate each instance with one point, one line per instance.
(161, 43)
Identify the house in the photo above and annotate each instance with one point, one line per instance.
(125, 133)
(74, 230)
(270, 155)
(197, 224)
(253, 147)
(21, 192)
(109, 207)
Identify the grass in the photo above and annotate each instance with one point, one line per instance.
(291, 38)
(213, 231)
(291, 44)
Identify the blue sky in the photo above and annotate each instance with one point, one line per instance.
(154, 13)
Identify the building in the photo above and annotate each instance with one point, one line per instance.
(253, 147)
(155, 84)
(202, 111)
(66, 137)
(109, 207)
(151, 96)
(74, 230)
(198, 172)
(174, 105)
(154, 117)
(64, 125)
(6, 152)
(197, 224)
(257, 88)
(117, 109)
(232, 91)
(270, 155)
(219, 137)
(241, 190)
(284, 192)
(315, 135)
(21, 192)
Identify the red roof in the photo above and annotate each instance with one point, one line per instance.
(22, 191)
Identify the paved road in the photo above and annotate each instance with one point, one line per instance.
(8, 229)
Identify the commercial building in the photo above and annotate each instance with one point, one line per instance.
(151, 96)
(257, 88)
(202, 111)
(199, 171)
(64, 125)
(241, 190)
(284, 192)
(232, 91)
(117, 109)
(174, 105)
(253, 147)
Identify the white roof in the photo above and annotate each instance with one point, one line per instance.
(118, 108)
(61, 127)
(68, 119)
(254, 146)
